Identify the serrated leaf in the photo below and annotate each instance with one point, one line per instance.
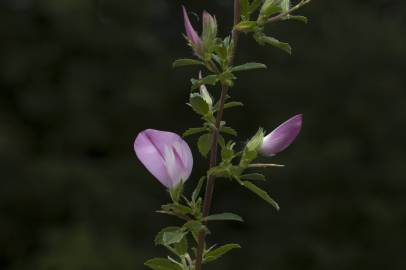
(228, 130)
(198, 104)
(278, 44)
(192, 131)
(248, 66)
(261, 193)
(253, 176)
(224, 216)
(216, 253)
(162, 264)
(186, 62)
(204, 144)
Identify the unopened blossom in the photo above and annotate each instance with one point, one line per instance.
(165, 155)
(281, 137)
(191, 33)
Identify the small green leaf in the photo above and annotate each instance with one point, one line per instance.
(278, 44)
(245, 8)
(216, 253)
(162, 264)
(198, 104)
(186, 62)
(159, 237)
(228, 130)
(255, 5)
(192, 131)
(176, 191)
(233, 104)
(248, 66)
(204, 144)
(224, 216)
(181, 248)
(172, 237)
(209, 80)
(298, 18)
(261, 193)
(253, 176)
(206, 96)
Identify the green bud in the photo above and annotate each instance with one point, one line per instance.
(209, 31)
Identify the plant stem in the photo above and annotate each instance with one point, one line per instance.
(213, 151)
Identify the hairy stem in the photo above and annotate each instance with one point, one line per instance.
(213, 151)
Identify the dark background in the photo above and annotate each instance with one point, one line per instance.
(79, 79)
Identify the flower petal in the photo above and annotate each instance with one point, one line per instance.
(190, 31)
(165, 155)
(281, 137)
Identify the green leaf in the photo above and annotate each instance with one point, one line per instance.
(253, 176)
(216, 253)
(198, 104)
(269, 8)
(177, 208)
(228, 130)
(159, 237)
(204, 144)
(298, 18)
(210, 80)
(278, 44)
(246, 26)
(186, 62)
(206, 96)
(181, 248)
(198, 188)
(192, 131)
(224, 216)
(255, 5)
(244, 8)
(233, 104)
(248, 66)
(261, 193)
(172, 237)
(162, 264)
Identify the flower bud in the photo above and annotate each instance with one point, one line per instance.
(209, 30)
(191, 34)
(165, 155)
(281, 137)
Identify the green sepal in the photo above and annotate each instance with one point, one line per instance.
(261, 193)
(248, 66)
(186, 62)
(198, 188)
(216, 253)
(159, 237)
(224, 216)
(176, 192)
(162, 264)
(246, 26)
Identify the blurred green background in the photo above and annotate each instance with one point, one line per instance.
(80, 78)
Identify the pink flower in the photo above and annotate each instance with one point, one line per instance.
(165, 155)
(191, 34)
(282, 136)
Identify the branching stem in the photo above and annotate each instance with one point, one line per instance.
(213, 151)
